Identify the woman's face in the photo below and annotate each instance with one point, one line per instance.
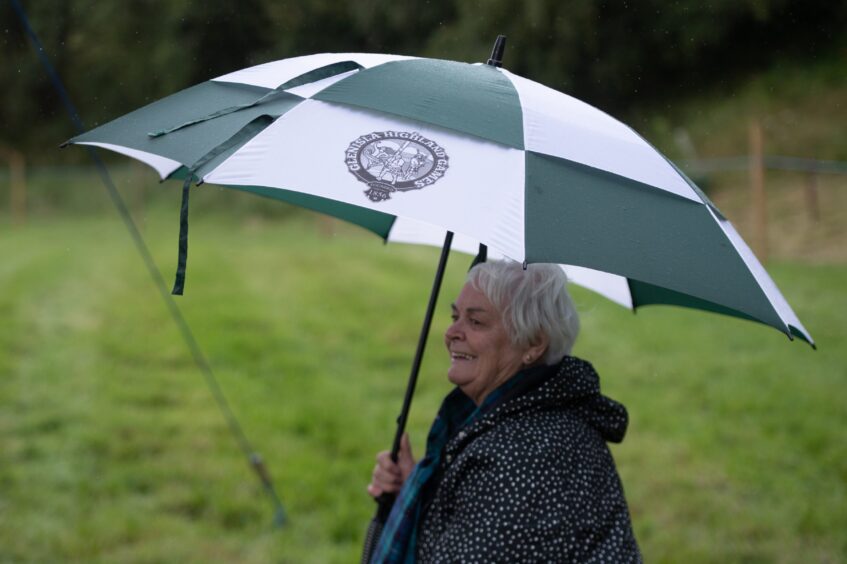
(481, 355)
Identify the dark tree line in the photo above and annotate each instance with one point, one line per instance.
(616, 54)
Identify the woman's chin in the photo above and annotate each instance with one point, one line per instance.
(458, 378)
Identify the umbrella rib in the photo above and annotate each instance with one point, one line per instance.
(317, 74)
(222, 112)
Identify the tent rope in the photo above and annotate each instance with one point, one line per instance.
(203, 365)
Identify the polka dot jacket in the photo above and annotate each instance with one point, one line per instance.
(533, 480)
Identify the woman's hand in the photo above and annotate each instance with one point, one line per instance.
(388, 476)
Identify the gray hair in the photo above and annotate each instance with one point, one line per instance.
(532, 302)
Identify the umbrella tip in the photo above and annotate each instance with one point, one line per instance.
(496, 59)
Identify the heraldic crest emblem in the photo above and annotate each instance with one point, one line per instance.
(395, 161)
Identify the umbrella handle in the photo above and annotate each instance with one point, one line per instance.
(384, 504)
(371, 539)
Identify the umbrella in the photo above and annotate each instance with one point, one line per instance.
(410, 147)
(418, 149)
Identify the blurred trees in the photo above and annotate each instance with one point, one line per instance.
(618, 55)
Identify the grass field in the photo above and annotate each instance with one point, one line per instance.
(112, 449)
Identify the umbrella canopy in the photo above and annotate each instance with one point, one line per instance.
(418, 149)
(410, 147)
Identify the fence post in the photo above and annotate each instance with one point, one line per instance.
(17, 184)
(812, 195)
(326, 225)
(759, 197)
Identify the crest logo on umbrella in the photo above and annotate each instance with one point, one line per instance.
(391, 161)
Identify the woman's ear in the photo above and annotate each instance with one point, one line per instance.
(537, 348)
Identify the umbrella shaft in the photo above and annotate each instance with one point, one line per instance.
(416, 365)
(386, 501)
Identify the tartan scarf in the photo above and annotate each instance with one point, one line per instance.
(398, 542)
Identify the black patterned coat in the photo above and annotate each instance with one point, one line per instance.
(533, 480)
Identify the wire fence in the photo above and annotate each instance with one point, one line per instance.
(770, 162)
(748, 185)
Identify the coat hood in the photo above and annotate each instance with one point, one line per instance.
(573, 384)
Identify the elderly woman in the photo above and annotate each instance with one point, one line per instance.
(516, 467)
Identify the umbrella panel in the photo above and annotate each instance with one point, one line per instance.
(612, 220)
(189, 145)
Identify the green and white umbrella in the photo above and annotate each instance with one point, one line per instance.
(411, 147)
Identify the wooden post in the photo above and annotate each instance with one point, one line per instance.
(17, 184)
(812, 195)
(326, 225)
(759, 200)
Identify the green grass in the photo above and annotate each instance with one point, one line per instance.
(112, 449)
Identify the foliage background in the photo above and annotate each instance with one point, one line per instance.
(628, 58)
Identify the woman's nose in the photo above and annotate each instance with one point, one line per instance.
(452, 331)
